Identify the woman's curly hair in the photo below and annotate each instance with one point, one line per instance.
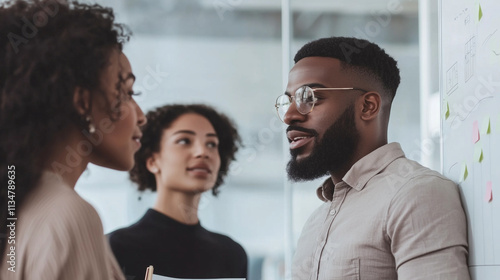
(161, 118)
(48, 50)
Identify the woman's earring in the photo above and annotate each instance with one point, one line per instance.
(91, 125)
(154, 169)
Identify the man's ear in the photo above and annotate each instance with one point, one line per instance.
(82, 101)
(151, 164)
(371, 104)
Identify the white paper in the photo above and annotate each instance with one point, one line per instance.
(159, 277)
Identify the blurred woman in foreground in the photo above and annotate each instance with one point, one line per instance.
(66, 101)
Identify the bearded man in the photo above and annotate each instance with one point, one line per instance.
(384, 216)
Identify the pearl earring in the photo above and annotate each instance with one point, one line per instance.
(91, 125)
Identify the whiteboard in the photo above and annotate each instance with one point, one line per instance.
(470, 121)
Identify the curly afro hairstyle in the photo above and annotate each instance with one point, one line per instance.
(161, 118)
(359, 55)
(48, 50)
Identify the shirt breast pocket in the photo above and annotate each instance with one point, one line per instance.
(341, 270)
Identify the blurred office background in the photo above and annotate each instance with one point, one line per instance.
(232, 54)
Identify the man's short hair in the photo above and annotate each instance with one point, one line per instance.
(358, 55)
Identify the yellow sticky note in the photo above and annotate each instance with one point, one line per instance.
(463, 172)
(485, 127)
(478, 152)
(480, 12)
(447, 113)
(489, 192)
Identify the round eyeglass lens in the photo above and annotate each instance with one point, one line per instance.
(304, 97)
(282, 105)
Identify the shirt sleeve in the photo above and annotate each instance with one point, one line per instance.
(72, 246)
(427, 228)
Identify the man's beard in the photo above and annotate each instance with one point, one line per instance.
(332, 152)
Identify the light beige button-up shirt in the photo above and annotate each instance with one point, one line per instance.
(389, 218)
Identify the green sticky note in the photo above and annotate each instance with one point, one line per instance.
(447, 113)
(486, 127)
(478, 152)
(480, 12)
(463, 172)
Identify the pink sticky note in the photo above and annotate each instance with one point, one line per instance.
(489, 193)
(475, 132)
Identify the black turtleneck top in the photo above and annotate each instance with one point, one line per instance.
(176, 250)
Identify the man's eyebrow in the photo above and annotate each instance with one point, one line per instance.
(311, 85)
(316, 85)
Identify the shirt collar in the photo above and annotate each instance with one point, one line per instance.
(363, 170)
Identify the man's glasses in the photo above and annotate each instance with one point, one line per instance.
(304, 100)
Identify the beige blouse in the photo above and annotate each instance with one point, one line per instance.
(59, 235)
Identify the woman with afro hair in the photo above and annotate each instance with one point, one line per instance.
(186, 151)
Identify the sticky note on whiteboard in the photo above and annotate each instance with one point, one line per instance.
(475, 132)
(489, 192)
(447, 113)
(478, 152)
(463, 172)
(486, 126)
(480, 16)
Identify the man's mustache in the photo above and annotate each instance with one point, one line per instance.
(298, 128)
